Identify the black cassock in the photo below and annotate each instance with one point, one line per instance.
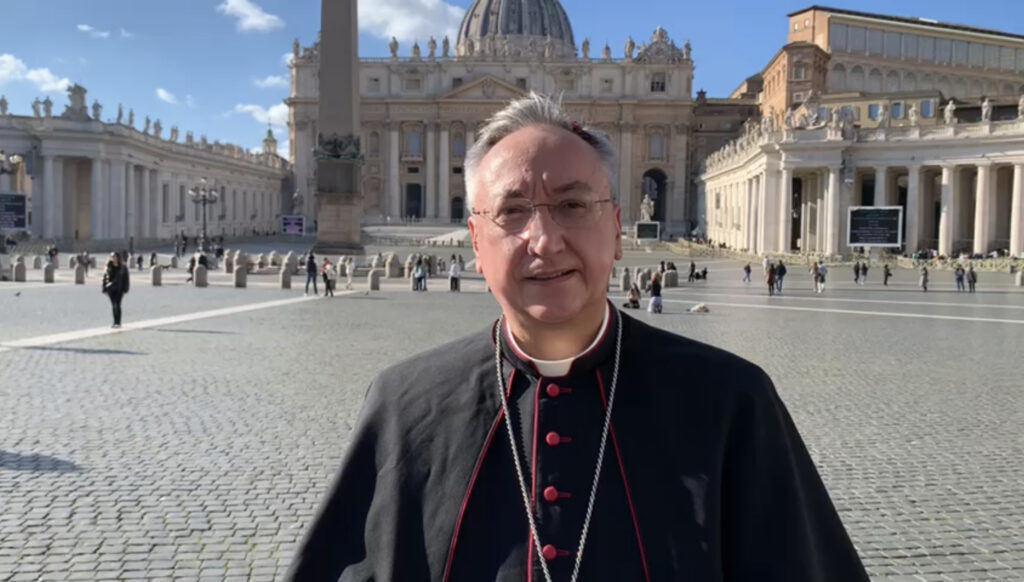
(705, 477)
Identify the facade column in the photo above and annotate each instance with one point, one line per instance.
(430, 159)
(1017, 211)
(131, 194)
(946, 216)
(444, 169)
(394, 186)
(805, 208)
(763, 219)
(881, 186)
(145, 208)
(748, 227)
(832, 211)
(117, 202)
(786, 211)
(982, 206)
(96, 206)
(626, 175)
(771, 210)
(50, 198)
(913, 218)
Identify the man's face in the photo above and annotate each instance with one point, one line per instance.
(547, 272)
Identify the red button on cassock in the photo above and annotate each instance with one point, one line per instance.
(554, 439)
(551, 552)
(554, 390)
(552, 495)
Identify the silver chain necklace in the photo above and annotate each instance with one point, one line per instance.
(519, 466)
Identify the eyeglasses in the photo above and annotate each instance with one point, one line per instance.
(515, 215)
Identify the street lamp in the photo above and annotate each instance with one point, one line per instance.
(204, 195)
(8, 165)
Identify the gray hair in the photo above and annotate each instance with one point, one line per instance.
(534, 109)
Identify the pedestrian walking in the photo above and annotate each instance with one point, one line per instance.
(325, 272)
(924, 279)
(780, 274)
(972, 278)
(454, 272)
(138, 261)
(311, 274)
(693, 272)
(419, 276)
(822, 275)
(815, 277)
(856, 272)
(115, 285)
(958, 276)
(350, 272)
(886, 273)
(746, 273)
(769, 277)
(864, 273)
(191, 268)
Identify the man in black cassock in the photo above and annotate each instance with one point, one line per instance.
(558, 443)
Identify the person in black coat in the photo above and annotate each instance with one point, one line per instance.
(115, 285)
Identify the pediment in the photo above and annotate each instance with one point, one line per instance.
(484, 88)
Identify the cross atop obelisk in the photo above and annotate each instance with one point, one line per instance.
(339, 187)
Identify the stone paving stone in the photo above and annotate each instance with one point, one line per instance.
(217, 460)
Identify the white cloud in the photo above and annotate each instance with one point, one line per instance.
(14, 69)
(126, 34)
(276, 115)
(271, 81)
(166, 96)
(250, 16)
(190, 101)
(93, 32)
(287, 58)
(409, 20)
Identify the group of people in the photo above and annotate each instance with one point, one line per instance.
(774, 275)
(328, 272)
(421, 272)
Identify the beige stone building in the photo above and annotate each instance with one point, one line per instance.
(421, 107)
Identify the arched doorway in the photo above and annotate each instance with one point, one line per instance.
(458, 209)
(413, 201)
(655, 185)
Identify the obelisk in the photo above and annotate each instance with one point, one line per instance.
(339, 196)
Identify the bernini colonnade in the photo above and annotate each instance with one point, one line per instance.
(789, 190)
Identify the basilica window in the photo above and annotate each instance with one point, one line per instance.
(458, 146)
(456, 82)
(607, 85)
(926, 108)
(412, 84)
(873, 111)
(374, 85)
(521, 83)
(897, 110)
(414, 143)
(799, 72)
(656, 147)
(567, 84)
(658, 83)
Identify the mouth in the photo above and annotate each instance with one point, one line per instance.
(551, 276)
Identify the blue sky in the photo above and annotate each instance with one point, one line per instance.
(217, 67)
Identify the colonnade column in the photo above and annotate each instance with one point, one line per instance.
(946, 216)
(394, 187)
(913, 218)
(50, 198)
(96, 206)
(786, 211)
(117, 202)
(131, 195)
(832, 211)
(445, 171)
(749, 230)
(430, 159)
(982, 206)
(145, 204)
(881, 186)
(1017, 211)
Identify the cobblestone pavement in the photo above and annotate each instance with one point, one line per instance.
(199, 450)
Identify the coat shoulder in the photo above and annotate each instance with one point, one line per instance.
(434, 373)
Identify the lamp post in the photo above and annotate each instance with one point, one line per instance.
(203, 194)
(8, 165)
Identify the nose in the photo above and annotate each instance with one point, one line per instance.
(544, 235)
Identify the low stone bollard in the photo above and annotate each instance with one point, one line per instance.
(18, 271)
(392, 268)
(240, 276)
(670, 278)
(1020, 278)
(174, 262)
(285, 277)
(624, 280)
(47, 273)
(156, 275)
(229, 264)
(373, 280)
(37, 263)
(80, 275)
(199, 276)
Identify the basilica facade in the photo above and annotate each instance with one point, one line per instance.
(421, 107)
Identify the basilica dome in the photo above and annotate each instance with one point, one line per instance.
(516, 28)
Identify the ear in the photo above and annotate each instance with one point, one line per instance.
(474, 233)
(618, 232)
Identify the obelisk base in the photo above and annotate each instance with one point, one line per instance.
(339, 200)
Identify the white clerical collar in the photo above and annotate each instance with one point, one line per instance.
(558, 368)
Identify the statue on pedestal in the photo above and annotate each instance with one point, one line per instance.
(606, 52)
(586, 49)
(470, 48)
(393, 45)
(948, 113)
(190, 140)
(883, 116)
(3, 105)
(445, 47)
(145, 128)
(120, 113)
(416, 51)
(431, 48)
(131, 117)
(913, 115)
(549, 48)
(686, 50)
(174, 133)
(646, 209)
(48, 107)
(35, 107)
(97, 110)
(986, 110)
(630, 47)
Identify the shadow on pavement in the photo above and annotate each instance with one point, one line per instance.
(35, 462)
(86, 351)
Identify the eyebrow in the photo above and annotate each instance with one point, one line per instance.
(574, 186)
